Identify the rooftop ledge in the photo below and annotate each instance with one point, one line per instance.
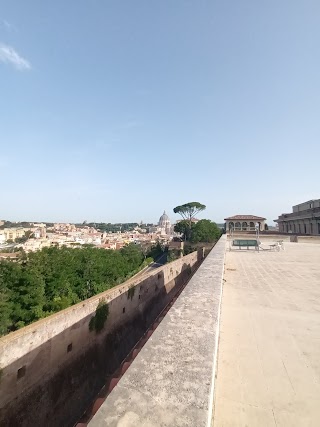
(171, 381)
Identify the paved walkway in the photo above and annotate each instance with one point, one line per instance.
(269, 352)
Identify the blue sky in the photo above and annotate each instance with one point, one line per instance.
(116, 110)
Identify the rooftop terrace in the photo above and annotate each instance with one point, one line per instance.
(269, 351)
(267, 369)
(239, 346)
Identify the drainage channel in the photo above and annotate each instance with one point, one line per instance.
(113, 380)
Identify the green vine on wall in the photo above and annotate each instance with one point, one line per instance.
(131, 291)
(189, 270)
(99, 319)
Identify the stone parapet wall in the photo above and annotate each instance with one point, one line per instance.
(171, 381)
(55, 366)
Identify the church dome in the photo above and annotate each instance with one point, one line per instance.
(164, 220)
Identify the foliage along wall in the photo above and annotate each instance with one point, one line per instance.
(66, 356)
(52, 279)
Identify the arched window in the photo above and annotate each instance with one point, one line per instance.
(252, 226)
(244, 225)
(237, 226)
(231, 225)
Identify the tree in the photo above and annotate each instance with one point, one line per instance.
(182, 227)
(155, 251)
(28, 297)
(205, 231)
(188, 211)
(21, 239)
(52, 279)
(133, 255)
(28, 233)
(5, 309)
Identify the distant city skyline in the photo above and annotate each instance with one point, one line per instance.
(174, 217)
(114, 111)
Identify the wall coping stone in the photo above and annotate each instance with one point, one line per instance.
(171, 381)
(33, 335)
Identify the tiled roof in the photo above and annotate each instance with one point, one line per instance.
(244, 217)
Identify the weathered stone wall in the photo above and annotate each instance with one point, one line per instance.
(171, 381)
(52, 369)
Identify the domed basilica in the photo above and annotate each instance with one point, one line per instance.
(164, 224)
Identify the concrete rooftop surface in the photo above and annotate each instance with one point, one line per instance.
(269, 350)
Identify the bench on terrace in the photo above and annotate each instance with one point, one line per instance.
(246, 243)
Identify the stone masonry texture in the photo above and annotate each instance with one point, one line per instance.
(171, 380)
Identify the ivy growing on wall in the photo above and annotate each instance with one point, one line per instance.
(99, 319)
(131, 292)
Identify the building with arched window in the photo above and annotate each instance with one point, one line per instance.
(245, 223)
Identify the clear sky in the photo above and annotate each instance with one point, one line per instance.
(115, 110)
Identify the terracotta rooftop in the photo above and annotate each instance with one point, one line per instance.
(244, 217)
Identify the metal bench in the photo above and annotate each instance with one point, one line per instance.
(246, 243)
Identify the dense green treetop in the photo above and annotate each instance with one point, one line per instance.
(201, 231)
(188, 211)
(182, 227)
(9, 224)
(112, 228)
(47, 281)
(205, 231)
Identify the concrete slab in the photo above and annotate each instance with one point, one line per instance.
(170, 383)
(269, 352)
